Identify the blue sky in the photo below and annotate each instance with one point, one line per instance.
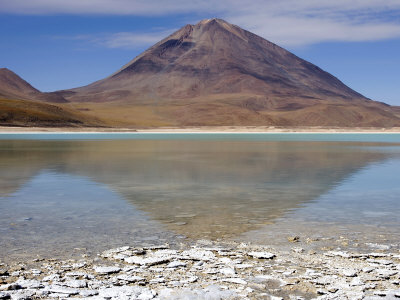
(60, 44)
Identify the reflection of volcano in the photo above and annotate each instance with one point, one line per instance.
(197, 188)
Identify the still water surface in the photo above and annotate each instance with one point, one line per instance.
(60, 192)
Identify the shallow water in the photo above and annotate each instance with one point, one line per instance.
(60, 192)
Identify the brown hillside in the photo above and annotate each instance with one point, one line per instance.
(32, 113)
(14, 87)
(215, 73)
(209, 74)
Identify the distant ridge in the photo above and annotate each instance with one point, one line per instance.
(13, 86)
(23, 105)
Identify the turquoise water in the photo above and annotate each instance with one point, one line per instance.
(59, 192)
(333, 137)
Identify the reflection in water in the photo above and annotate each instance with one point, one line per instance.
(57, 195)
(54, 213)
(365, 208)
(201, 189)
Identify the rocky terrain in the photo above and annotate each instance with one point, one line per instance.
(208, 271)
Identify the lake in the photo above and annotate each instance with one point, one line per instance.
(60, 193)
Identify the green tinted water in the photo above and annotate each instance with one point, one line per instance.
(60, 191)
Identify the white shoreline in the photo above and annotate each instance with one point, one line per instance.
(199, 130)
(196, 132)
(232, 271)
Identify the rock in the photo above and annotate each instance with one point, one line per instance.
(12, 287)
(176, 264)
(125, 292)
(157, 280)
(146, 295)
(289, 272)
(88, 293)
(386, 273)
(198, 254)
(225, 261)
(298, 250)
(62, 290)
(4, 296)
(157, 247)
(23, 295)
(325, 280)
(384, 262)
(106, 269)
(243, 266)
(368, 269)
(130, 278)
(332, 289)
(375, 254)
(190, 279)
(262, 255)
(211, 271)
(234, 280)
(29, 283)
(209, 292)
(111, 252)
(356, 282)
(322, 292)
(312, 273)
(66, 267)
(198, 264)
(52, 277)
(380, 293)
(337, 253)
(227, 271)
(36, 272)
(82, 275)
(79, 265)
(155, 269)
(293, 239)
(148, 261)
(349, 273)
(75, 283)
(4, 272)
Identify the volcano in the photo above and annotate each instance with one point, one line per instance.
(214, 57)
(218, 74)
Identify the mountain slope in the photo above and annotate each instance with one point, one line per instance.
(23, 105)
(210, 74)
(215, 73)
(215, 57)
(14, 87)
(33, 113)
